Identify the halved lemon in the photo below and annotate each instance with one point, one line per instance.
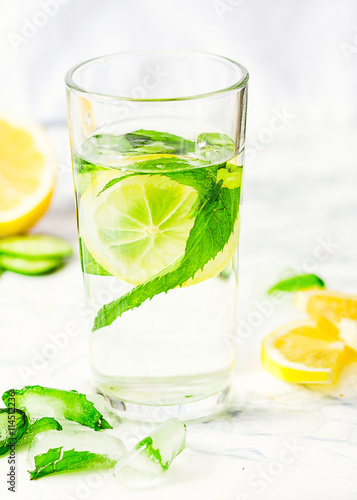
(300, 352)
(140, 225)
(26, 176)
(335, 312)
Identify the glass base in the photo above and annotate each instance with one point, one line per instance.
(188, 411)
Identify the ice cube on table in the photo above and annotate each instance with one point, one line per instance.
(144, 465)
(104, 449)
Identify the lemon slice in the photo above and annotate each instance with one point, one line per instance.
(335, 312)
(137, 227)
(301, 352)
(26, 176)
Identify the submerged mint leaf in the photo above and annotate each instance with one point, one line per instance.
(70, 405)
(115, 181)
(201, 179)
(82, 166)
(214, 224)
(301, 282)
(139, 142)
(166, 164)
(88, 263)
(56, 460)
(150, 141)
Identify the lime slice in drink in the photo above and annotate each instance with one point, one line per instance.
(138, 226)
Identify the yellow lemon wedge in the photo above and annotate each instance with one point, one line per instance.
(301, 352)
(27, 176)
(334, 312)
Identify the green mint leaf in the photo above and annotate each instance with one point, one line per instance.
(201, 179)
(82, 166)
(56, 461)
(178, 169)
(164, 164)
(301, 282)
(70, 405)
(88, 263)
(150, 141)
(151, 452)
(115, 181)
(214, 223)
(139, 142)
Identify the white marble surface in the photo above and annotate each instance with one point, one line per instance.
(275, 441)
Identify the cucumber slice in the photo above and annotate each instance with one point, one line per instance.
(27, 266)
(36, 246)
(13, 424)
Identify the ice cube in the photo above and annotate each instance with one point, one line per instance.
(94, 442)
(144, 465)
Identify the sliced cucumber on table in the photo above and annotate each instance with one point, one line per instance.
(27, 266)
(36, 246)
(34, 254)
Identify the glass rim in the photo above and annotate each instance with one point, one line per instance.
(73, 86)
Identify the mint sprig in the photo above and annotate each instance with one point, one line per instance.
(214, 224)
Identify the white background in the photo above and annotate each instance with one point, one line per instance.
(300, 54)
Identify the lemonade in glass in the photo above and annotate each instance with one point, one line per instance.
(158, 193)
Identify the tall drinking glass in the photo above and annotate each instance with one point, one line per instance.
(157, 143)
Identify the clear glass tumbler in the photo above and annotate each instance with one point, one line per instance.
(157, 143)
